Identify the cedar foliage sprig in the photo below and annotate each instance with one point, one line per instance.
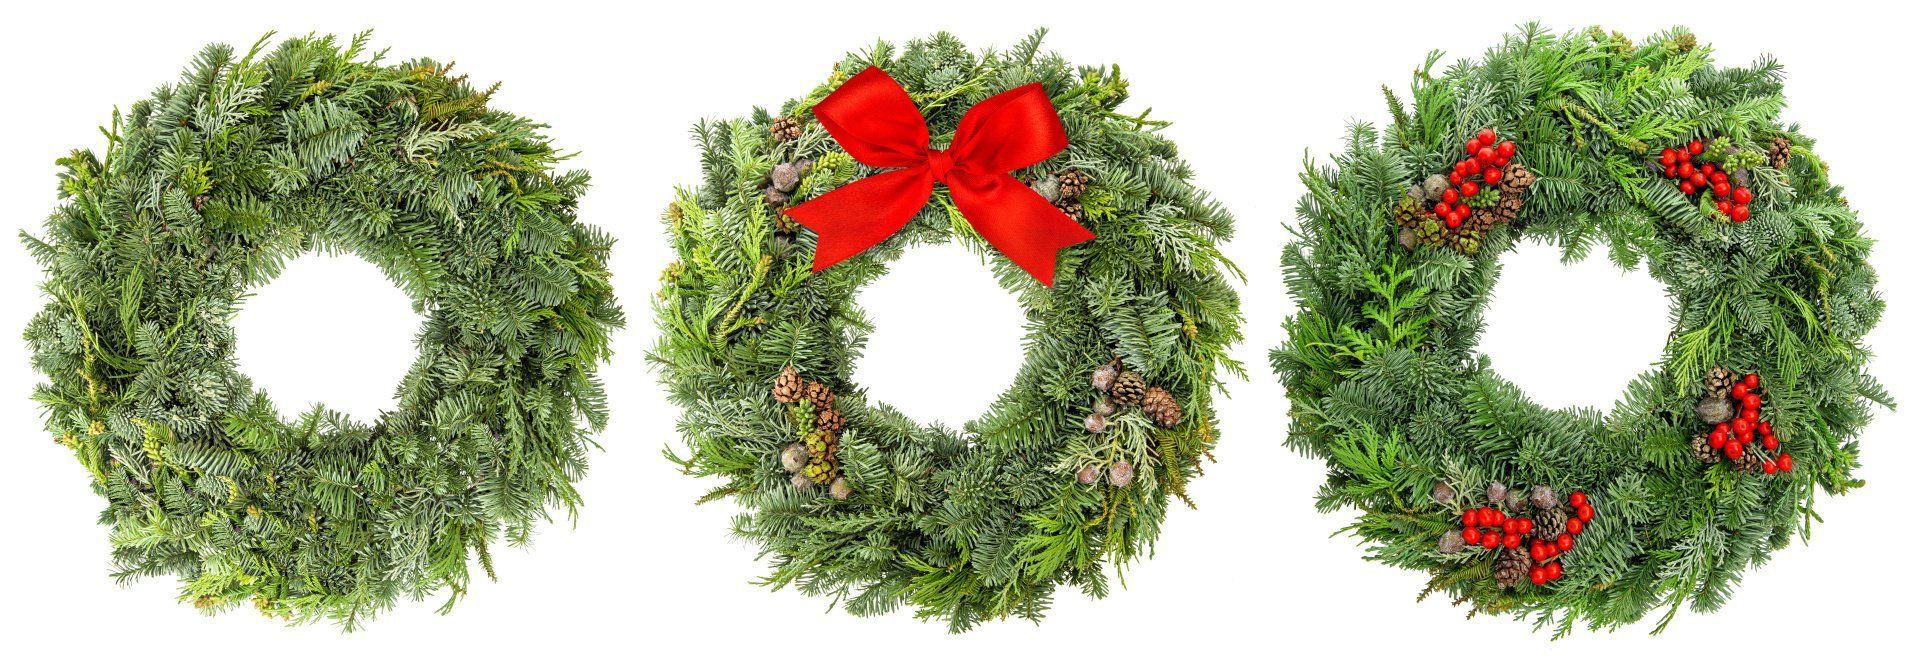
(1387, 386)
(204, 191)
(985, 522)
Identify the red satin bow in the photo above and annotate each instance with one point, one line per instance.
(878, 125)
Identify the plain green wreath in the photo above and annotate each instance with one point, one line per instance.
(204, 191)
(1075, 464)
(1428, 443)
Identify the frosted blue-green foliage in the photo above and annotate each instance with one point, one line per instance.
(203, 192)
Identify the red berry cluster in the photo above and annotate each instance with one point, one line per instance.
(1486, 155)
(1733, 438)
(1491, 529)
(1705, 177)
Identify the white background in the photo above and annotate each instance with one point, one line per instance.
(1254, 573)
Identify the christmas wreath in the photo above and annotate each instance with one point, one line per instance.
(1022, 158)
(204, 191)
(1710, 461)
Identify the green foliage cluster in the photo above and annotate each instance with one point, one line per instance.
(987, 521)
(1387, 387)
(204, 191)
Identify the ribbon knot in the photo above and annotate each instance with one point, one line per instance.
(877, 124)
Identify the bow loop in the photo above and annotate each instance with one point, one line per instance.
(877, 124)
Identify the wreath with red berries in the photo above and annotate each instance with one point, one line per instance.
(1708, 462)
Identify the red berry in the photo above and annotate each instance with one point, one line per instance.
(1785, 461)
(1463, 167)
(1471, 535)
(1739, 213)
(1734, 450)
(1751, 401)
(1770, 467)
(1449, 196)
(1507, 149)
(1510, 526)
(1487, 137)
(1698, 180)
(1538, 553)
(1586, 512)
(1742, 426)
(1469, 189)
(1719, 177)
(1752, 380)
(1673, 172)
(1554, 572)
(1708, 169)
(1470, 518)
(1538, 575)
(1485, 155)
(1491, 539)
(1766, 427)
(1724, 206)
(1499, 517)
(1564, 541)
(1443, 208)
(1717, 439)
(1742, 195)
(1721, 189)
(1492, 175)
(1577, 499)
(1686, 188)
(1685, 157)
(1686, 170)
(1696, 147)
(1474, 145)
(1526, 526)
(1770, 443)
(1739, 391)
(1575, 525)
(1750, 415)
(1510, 541)
(1668, 157)
(1455, 178)
(1454, 222)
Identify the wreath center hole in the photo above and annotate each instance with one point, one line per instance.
(946, 339)
(1573, 334)
(331, 329)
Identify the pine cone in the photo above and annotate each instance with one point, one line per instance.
(1451, 542)
(786, 176)
(1515, 180)
(1719, 380)
(1409, 238)
(1703, 448)
(1073, 182)
(1550, 524)
(1408, 212)
(787, 387)
(831, 420)
(1161, 408)
(1511, 567)
(819, 394)
(1714, 409)
(1072, 209)
(1780, 155)
(1096, 423)
(1750, 461)
(785, 129)
(1496, 494)
(1435, 186)
(1129, 389)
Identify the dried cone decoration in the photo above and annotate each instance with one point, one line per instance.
(1527, 544)
(1486, 187)
(1160, 407)
(1736, 407)
(815, 459)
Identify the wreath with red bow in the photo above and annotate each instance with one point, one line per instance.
(1085, 213)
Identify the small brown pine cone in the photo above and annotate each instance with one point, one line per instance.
(1073, 182)
(819, 394)
(1550, 523)
(1104, 375)
(785, 129)
(1071, 208)
(1496, 493)
(787, 387)
(1719, 380)
(1780, 154)
(831, 420)
(1714, 409)
(1703, 449)
(1129, 389)
(1511, 568)
(1542, 497)
(1160, 406)
(1120, 474)
(1515, 180)
(1451, 542)
(1750, 461)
